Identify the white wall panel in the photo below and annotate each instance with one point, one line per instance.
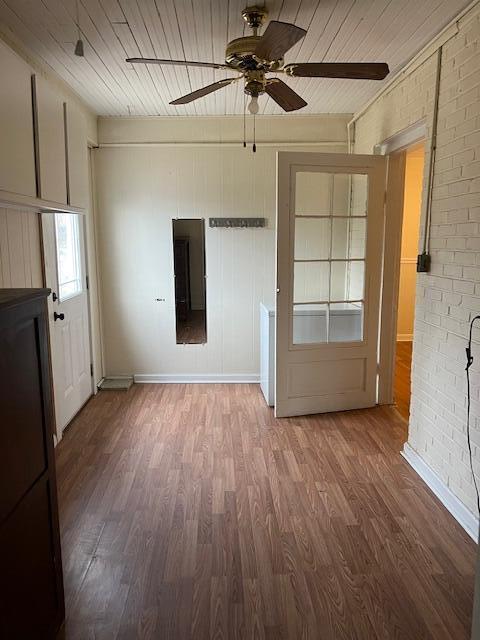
(17, 163)
(20, 257)
(51, 142)
(140, 190)
(77, 156)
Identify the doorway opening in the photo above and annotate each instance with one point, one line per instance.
(412, 204)
(190, 290)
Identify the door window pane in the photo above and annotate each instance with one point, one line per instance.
(310, 282)
(350, 194)
(345, 322)
(348, 238)
(356, 280)
(313, 193)
(357, 238)
(312, 239)
(309, 323)
(69, 270)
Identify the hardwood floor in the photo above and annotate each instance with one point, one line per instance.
(403, 365)
(192, 330)
(188, 511)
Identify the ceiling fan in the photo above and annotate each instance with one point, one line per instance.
(256, 56)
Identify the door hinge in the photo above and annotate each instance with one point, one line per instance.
(91, 369)
(87, 282)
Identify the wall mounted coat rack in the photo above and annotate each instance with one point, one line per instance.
(237, 222)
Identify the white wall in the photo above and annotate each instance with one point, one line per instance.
(20, 254)
(448, 296)
(140, 190)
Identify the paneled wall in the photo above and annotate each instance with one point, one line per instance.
(55, 168)
(44, 136)
(141, 187)
(449, 296)
(20, 257)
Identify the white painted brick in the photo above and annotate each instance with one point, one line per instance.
(449, 296)
(473, 243)
(453, 271)
(464, 258)
(463, 286)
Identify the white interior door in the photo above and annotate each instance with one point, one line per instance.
(330, 219)
(65, 270)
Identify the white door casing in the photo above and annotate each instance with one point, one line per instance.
(70, 336)
(330, 223)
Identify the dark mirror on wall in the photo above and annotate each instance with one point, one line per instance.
(189, 269)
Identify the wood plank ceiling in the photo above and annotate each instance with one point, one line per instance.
(389, 31)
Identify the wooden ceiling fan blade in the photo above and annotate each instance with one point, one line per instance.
(347, 70)
(188, 63)
(278, 38)
(204, 91)
(284, 96)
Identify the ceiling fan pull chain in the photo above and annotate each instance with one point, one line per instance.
(244, 119)
(254, 135)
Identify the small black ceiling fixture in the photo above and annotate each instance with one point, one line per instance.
(79, 51)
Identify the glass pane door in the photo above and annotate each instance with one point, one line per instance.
(330, 230)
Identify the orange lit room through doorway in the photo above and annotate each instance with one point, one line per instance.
(412, 203)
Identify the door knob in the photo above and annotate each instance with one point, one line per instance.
(58, 316)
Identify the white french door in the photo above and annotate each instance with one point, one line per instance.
(65, 273)
(330, 219)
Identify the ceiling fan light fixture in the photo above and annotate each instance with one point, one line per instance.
(253, 106)
(79, 49)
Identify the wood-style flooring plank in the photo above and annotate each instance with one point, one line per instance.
(190, 512)
(403, 365)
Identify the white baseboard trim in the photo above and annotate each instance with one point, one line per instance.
(197, 378)
(404, 337)
(449, 500)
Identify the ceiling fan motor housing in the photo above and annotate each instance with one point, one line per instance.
(240, 53)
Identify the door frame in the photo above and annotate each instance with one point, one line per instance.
(396, 148)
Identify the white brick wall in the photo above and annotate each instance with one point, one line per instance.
(449, 295)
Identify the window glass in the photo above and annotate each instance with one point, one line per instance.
(330, 235)
(67, 233)
(345, 322)
(311, 281)
(309, 323)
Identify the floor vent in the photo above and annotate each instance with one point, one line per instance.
(116, 383)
